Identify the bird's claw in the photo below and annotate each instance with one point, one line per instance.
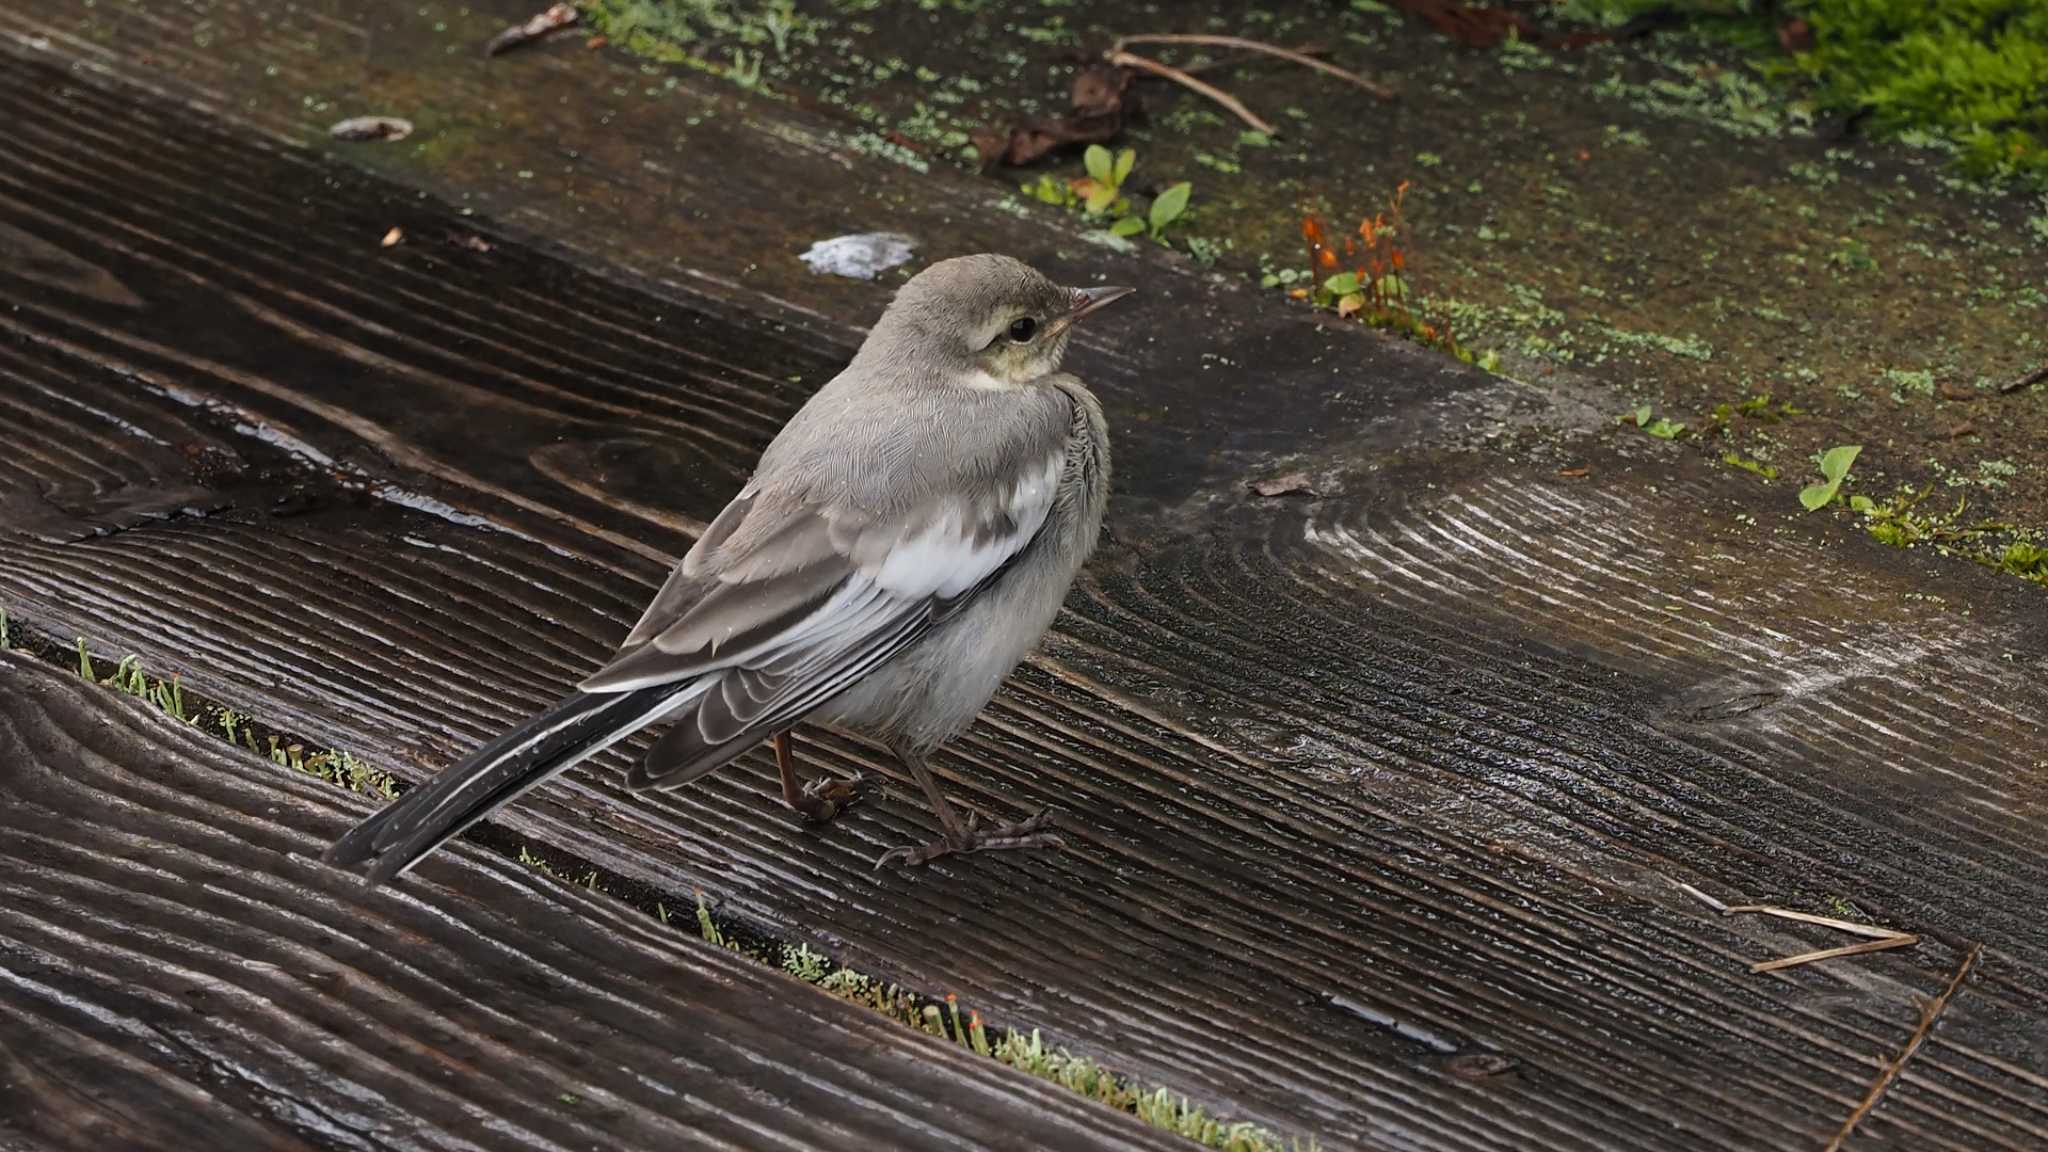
(1035, 832)
(825, 798)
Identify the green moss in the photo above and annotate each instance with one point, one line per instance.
(1903, 521)
(1027, 1053)
(168, 695)
(726, 37)
(1738, 460)
(2028, 561)
(1963, 76)
(1974, 73)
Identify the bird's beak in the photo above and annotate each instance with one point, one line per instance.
(1087, 300)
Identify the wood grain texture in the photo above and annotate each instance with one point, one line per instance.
(1355, 791)
(177, 970)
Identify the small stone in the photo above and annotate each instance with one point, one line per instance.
(860, 256)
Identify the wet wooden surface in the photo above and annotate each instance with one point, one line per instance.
(168, 986)
(1359, 789)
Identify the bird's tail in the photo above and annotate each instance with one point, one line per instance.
(575, 728)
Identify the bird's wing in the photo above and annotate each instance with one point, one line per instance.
(789, 602)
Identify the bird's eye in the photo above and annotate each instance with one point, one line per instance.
(1022, 330)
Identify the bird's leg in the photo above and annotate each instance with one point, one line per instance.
(819, 800)
(966, 835)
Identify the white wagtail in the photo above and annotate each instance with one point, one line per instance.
(905, 540)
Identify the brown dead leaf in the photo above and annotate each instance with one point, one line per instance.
(1097, 103)
(371, 128)
(2026, 381)
(554, 19)
(1966, 428)
(1795, 36)
(1470, 26)
(1292, 484)
(1575, 473)
(1950, 390)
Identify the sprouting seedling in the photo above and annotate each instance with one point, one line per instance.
(1834, 468)
(1109, 173)
(746, 68)
(1660, 427)
(1168, 207)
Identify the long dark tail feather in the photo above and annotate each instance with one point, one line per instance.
(494, 775)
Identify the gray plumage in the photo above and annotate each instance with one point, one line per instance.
(905, 541)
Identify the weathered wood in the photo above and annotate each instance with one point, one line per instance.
(178, 970)
(1353, 789)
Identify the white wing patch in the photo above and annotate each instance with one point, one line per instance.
(944, 559)
(955, 551)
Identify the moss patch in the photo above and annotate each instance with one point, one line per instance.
(1968, 77)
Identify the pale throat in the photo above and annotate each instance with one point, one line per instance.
(982, 380)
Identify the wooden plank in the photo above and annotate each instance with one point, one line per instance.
(179, 971)
(1356, 790)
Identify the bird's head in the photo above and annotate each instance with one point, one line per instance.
(988, 321)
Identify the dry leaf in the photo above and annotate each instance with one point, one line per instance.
(1474, 27)
(554, 19)
(392, 238)
(1292, 484)
(1950, 390)
(1575, 473)
(371, 128)
(1097, 103)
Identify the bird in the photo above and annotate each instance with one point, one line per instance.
(904, 542)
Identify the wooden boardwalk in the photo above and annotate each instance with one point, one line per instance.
(1366, 794)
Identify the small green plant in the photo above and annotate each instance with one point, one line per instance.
(696, 33)
(1167, 208)
(1108, 174)
(746, 69)
(2027, 561)
(1028, 1054)
(1660, 427)
(1852, 255)
(1900, 522)
(1738, 460)
(1834, 467)
(707, 926)
(1100, 195)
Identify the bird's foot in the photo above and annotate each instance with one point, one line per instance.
(827, 797)
(1036, 832)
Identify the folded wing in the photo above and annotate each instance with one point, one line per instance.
(783, 604)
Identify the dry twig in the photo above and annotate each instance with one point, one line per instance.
(1882, 943)
(2031, 378)
(1143, 64)
(1696, 894)
(1848, 926)
(1929, 1013)
(1300, 58)
(1877, 939)
(556, 18)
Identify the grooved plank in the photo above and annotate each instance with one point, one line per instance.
(1351, 789)
(178, 970)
